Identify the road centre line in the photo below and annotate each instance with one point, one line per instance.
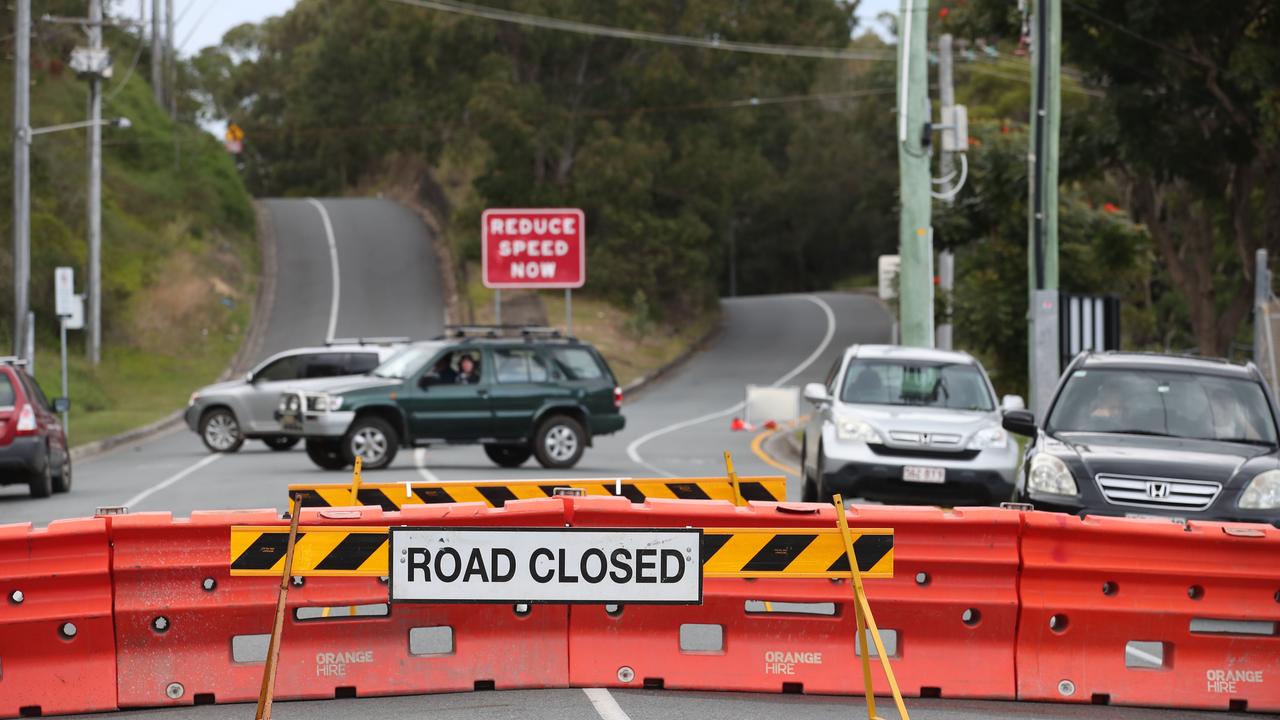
(333, 262)
(608, 708)
(172, 479)
(633, 449)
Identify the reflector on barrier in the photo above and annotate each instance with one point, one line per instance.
(495, 493)
(725, 552)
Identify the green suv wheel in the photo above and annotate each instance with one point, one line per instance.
(326, 454)
(559, 442)
(507, 456)
(373, 440)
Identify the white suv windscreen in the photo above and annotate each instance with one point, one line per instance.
(953, 386)
(1150, 402)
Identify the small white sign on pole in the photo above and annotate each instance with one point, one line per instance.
(549, 565)
(75, 320)
(889, 266)
(779, 404)
(64, 288)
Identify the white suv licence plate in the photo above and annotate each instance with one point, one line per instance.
(915, 473)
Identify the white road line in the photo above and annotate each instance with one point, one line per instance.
(333, 262)
(172, 480)
(420, 461)
(633, 450)
(605, 705)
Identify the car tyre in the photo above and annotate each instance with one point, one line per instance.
(42, 482)
(559, 442)
(220, 431)
(508, 456)
(280, 443)
(373, 440)
(62, 481)
(326, 454)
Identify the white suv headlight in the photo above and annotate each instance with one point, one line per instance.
(993, 437)
(857, 430)
(1262, 492)
(323, 403)
(1050, 475)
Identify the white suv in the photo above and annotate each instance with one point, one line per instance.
(904, 424)
(225, 414)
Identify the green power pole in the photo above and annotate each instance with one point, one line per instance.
(1042, 220)
(915, 232)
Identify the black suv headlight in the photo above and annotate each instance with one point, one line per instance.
(1048, 474)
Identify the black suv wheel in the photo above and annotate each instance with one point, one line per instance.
(373, 440)
(41, 482)
(559, 442)
(326, 454)
(220, 431)
(507, 456)
(62, 481)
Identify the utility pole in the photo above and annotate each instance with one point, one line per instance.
(171, 67)
(95, 187)
(21, 174)
(157, 54)
(915, 233)
(946, 165)
(1046, 109)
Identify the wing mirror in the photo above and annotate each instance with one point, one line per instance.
(816, 393)
(1020, 422)
(249, 378)
(1012, 402)
(61, 404)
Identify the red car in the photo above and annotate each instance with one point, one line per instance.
(33, 446)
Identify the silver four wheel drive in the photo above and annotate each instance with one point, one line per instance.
(226, 414)
(902, 424)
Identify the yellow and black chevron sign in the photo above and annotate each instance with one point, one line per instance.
(495, 493)
(726, 552)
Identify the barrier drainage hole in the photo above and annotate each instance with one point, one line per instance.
(1058, 623)
(1195, 592)
(340, 693)
(160, 624)
(792, 688)
(930, 692)
(1100, 699)
(654, 683)
(205, 699)
(209, 584)
(971, 617)
(484, 685)
(922, 578)
(1238, 706)
(1109, 588)
(31, 711)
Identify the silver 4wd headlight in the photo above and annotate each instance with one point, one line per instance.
(1048, 474)
(857, 430)
(994, 438)
(324, 403)
(1262, 492)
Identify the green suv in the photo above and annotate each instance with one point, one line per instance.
(520, 392)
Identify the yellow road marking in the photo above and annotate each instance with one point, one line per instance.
(757, 447)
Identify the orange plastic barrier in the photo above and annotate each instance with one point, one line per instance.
(948, 616)
(1150, 613)
(57, 646)
(189, 633)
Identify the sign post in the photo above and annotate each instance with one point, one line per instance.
(534, 248)
(65, 306)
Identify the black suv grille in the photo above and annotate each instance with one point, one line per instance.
(917, 453)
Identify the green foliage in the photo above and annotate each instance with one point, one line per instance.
(656, 143)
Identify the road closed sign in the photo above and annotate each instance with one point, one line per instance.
(534, 248)
(518, 565)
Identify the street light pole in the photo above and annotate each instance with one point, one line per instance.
(157, 55)
(95, 189)
(21, 174)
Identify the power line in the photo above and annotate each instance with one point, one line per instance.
(1131, 33)
(196, 25)
(582, 28)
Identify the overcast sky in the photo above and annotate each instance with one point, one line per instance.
(201, 23)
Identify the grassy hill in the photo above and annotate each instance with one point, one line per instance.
(178, 262)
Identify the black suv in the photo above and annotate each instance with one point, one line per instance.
(1154, 435)
(520, 392)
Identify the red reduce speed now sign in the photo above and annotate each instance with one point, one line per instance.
(538, 248)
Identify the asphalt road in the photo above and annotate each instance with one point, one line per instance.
(389, 285)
